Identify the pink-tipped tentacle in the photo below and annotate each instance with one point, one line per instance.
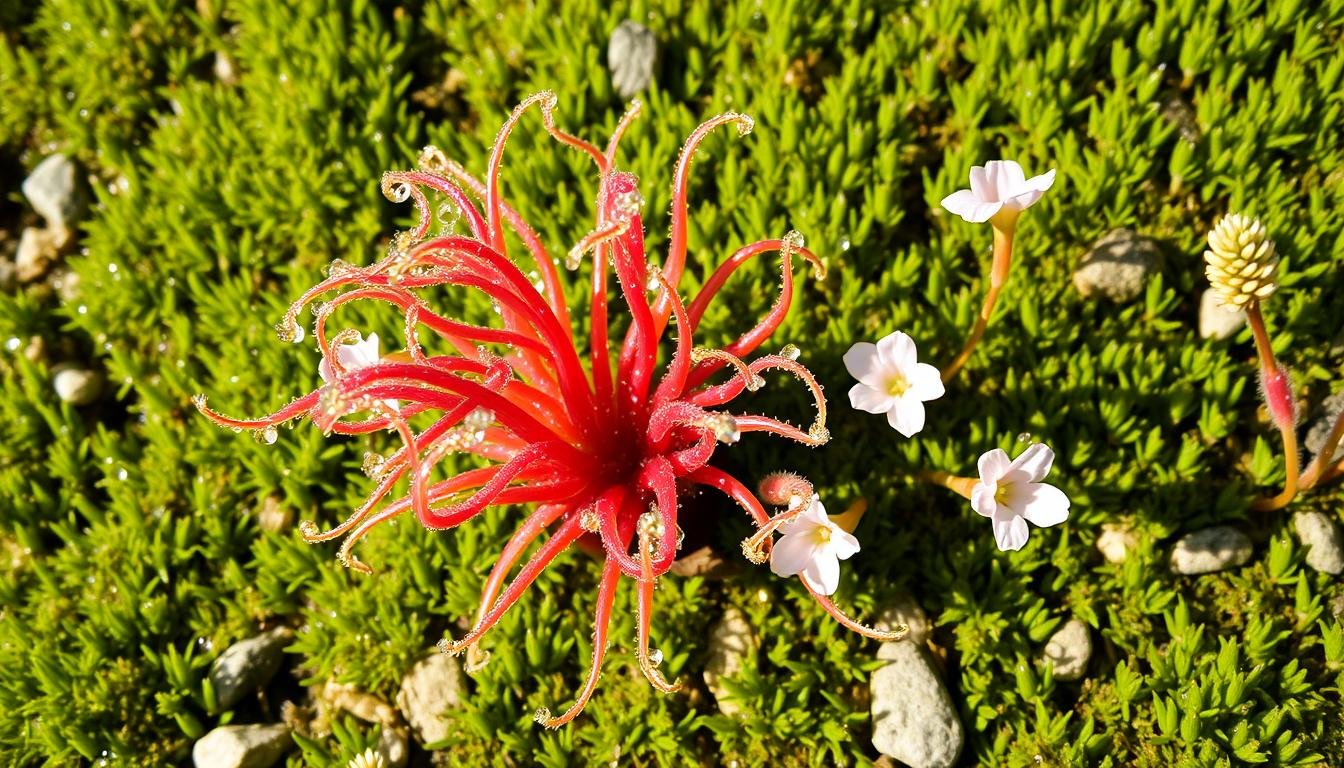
(674, 380)
(300, 407)
(716, 478)
(850, 624)
(816, 434)
(676, 250)
(566, 534)
(413, 180)
(631, 113)
(437, 519)
(606, 598)
(645, 586)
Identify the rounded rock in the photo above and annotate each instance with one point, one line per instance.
(1215, 320)
(248, 665)
(432, 687)
(1116, 266)
(54, 192)
(1069, 649)
(914, 720)
(78, 386)
(631, 54)
(1331, 408)
(1116, 542)
(1210, 550)
(1320, 535)
(731, 642)
(242, 746)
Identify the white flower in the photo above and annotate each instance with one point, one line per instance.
(352, 357)
(998, 186)
(892, 381)
(1012, 494)
(812, 546)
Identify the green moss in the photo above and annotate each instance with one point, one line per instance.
(129, 533)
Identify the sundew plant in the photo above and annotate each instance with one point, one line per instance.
(658, 383)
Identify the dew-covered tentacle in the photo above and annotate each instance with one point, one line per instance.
(606, 598)
(850, 624)
(631, 113)
(649, 529)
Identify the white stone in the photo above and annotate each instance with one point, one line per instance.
(1319, 534)
(361, 704)
(1215, 320)
(905, 610)
(1116, 542)
(731, 642)
(1116, 266)
(394, 747)
(1331, 408)
(248, 665)
(242, 746)
(1210, 550)
(1069, 649)
(914, 720)
(53, 191)
(431, 688)
(631, 53)
(37, 251)
(78, 386)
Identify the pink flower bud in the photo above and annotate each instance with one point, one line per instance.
(1278, 391)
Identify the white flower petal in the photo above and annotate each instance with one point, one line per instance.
(926, 382)
(843, 543)
(865, 398)
(1005, 177)
(816, 512)
(982, 499)
(981, 187)
(1044, 505)
(1035, 462)
(863, 363)
(324, 370)
(1010, 532)
(1041, 183)
(993, 465)
(897, 352)
(823, 573)
(791, 553)
(1029, 192)
(964, 204)
(906, 415)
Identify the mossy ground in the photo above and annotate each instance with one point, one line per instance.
(132, 552)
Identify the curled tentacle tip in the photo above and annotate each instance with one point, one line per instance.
(753, 552)
(198, 400)
(793, 239)
(477, 659)
(745, 124)
(308, 530)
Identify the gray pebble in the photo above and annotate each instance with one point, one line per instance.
(242, 746)
(1215, 320)
(1331, 408)
(1069, 649)
(78, 386)
(914, 720)
(1210, 550)
(248, 665)
(1319, 534)
(432, 687)
(631, 54)
(731, 641)
(38, 250)
(54, 192)
(1116, 266)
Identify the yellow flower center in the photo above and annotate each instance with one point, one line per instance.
(1001, 493)
(897, 385)
(822, 534)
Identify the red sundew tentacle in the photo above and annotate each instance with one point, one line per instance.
(607, 509)
(645, 585)
(606, 598)
(851, 624)
(665, 417)
(392, 378)
(676, 249)
(716, 478)
(640, 349)
(550, 276)
(498, 445)
(697, 455)
(522, 538)
(599, 350)
(566, 534)
(475, 222)
(631, 113)
(300, 407)
(817, 434)
(674, 381)
(749, 341)
(450, 516)
(658, 478)
(752, 423)
(716, 281)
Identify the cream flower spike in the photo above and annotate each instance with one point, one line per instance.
(998, 186)
(1241, 261)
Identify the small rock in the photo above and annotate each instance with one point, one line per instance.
(242, 746)
(53, 191)
(731, 642)
(432, 687)
(65, 282)
(904, 609)
(1116, 265)
(631, 53)
(1069, 649)
(1209, 550)
(1331, 408)
(9, 274)
(1319, 533)
(394, 747)
(38, 250)
(706, 562)
(274, 515)
(365, 706)
(78, 386)
(1116, 542)
(248, 665)
(914, 720)
(1215, 320)
(225, 71)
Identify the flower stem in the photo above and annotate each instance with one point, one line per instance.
(1279, 411)
(998, 275)
(1316, 471)
(959, 485)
